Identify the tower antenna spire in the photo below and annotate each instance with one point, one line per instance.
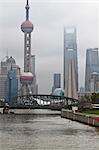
(27, 10)
(27, 2)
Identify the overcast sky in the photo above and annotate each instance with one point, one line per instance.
(49, 18)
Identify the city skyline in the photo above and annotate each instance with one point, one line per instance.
(49, 20)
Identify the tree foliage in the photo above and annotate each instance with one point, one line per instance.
(95, 97)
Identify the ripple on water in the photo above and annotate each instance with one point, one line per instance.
(45, 132)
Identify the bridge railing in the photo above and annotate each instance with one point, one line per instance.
(42, 99)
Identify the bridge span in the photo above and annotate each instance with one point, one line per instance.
(42, 101)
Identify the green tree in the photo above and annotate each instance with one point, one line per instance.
(95, 97)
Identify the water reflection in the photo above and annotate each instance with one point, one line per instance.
(45, 132)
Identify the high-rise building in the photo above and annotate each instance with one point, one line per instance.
(94, 82)
(34, 84)
(11, 86)
(92, 65)
(70, 55)
(5, 67)
(56, 81)
(33, 64)
(2, 86)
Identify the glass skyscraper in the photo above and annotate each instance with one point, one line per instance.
(5, 67)
(56, 81)
(34, 85)
(33, 64)
(92, 65)
(11, 85)
(70, 53)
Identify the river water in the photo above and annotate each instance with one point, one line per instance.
(45, 130)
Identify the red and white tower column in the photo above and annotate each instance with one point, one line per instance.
(27, 77)
(27, 28)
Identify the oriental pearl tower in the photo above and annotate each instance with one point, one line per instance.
(27, 28)
(26, 77)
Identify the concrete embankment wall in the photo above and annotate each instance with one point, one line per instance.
(83, 118)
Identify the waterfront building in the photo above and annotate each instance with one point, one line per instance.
(11, 86)
(70, 57)
(34, 84)
(2, 86)
(5, 67)
(71, 90)
(33, 64)
(82, 90)
(84, 95)
(6, 64)
(92, 65)
(56, 81)
(94, 82)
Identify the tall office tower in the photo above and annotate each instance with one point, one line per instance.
(27, 77)
(70, 90)
(94, 82)
(33, 64)
(5, 67)
(92, 65)
(11, 86)
(70, 55)
(35, 88)
(56, 81)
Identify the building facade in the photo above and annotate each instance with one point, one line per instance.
(56, 81)
(34, 84)
(5, 67)
(92, 66)
(33, 64)
(70, 55)
(2, 86)
(11, 86)
(94, 82)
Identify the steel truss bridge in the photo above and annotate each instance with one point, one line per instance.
(42, 101)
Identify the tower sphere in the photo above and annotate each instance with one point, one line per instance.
(27, 26)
